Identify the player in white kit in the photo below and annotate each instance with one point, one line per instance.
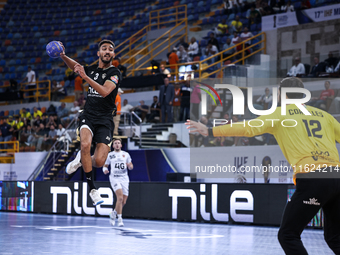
(120, 162)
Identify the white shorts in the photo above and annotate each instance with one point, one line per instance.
(117, 184)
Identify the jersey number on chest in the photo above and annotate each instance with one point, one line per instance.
(120, 165)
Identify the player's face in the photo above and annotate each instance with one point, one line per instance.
(106, 53)
(117, 145)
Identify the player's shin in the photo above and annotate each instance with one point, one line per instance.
(89, 179)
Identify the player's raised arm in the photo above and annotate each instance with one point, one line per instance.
(68, 61)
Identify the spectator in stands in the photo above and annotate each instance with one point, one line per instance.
(116, 118)
(253, 15)
(214, 41)
(227, 7)
(51, 110)
(331, 61)
(173, 60)
(10, 121)
(185, 101)
(297, 70)
(26, 134)
(36, 112)
(50, 122)
(154, 110)
(193, 48)
(288, 8)
(30, 79)
(182, 43)
(36, 122)
(230, 52)
(222, 28)
(245, 35)
(305, 4)
(236, 25)
(317, 68)
(141, 110)
(126, 106)
(19, 125)
(166, 97)
(13, 85)
(62, 111)
(237, 5)
(51, 138)
(60, 130)
(57, 90)
(165, 71)
(322, 99)
(39, 137)
(56, 119)
(236, 40)
(265, 101)
(5, 133)
(182, 55)
(69, 75)
(72, 113)
(276, 5)
(267, 9)
(195, 101)
(44, 119)
(26, 114)
(78, 87)
(210, 50)
(177, 103)
(121, 68)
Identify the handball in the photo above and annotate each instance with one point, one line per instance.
(54, 49)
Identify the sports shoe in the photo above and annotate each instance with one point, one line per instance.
(96, 198)
(120, 222)
(74, 164)
(113, 216)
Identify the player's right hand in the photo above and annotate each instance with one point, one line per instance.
(62, 45)
(106, 171)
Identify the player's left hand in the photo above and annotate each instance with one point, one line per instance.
(195, 126)
(79, 69)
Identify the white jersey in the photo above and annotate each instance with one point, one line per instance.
(118, 161)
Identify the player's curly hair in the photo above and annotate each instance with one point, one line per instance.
(292, 82)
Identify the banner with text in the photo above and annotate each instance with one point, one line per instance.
(324, 13)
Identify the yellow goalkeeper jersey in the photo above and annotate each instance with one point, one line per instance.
(307, 141)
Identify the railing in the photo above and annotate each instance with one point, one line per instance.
(57, 151)
(140, 125)
(218, 65)
(12, 148)
(166, 37)
(37, 90)
(143, 47)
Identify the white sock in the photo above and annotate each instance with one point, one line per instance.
(119, 216)
(114, 211)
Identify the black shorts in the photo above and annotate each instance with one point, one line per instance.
(101, 128)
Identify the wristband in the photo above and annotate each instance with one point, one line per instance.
(105, 168)
(210, 132)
